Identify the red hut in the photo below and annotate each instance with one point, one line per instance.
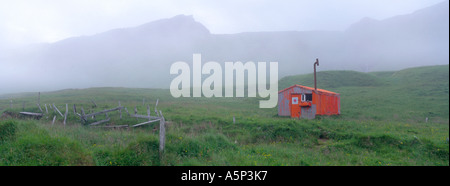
(306, 102)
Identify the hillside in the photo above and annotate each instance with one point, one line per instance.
(429, 78)
(141, 56)
(332, 79)
(382, 123)
(411, 94)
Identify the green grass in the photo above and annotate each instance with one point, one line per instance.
(382, 123)
(332, 79)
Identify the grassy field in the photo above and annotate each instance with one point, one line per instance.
(382, 123)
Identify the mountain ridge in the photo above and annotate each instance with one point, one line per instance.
(141, 56)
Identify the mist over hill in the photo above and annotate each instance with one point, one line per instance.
(141, 56)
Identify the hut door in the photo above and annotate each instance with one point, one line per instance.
(295, 107)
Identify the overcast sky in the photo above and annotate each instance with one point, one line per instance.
(30, 21)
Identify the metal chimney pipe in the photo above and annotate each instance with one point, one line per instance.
(315, 79)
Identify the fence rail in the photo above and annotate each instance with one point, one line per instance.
(85, 117)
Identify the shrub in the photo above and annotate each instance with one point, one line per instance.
(43, 150)
(144, 151)
(198, 146)
(376, 141)
(7, 130)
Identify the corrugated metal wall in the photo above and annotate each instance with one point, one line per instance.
(309, 112)
(328, 104)
(324, 103)
(284, 99)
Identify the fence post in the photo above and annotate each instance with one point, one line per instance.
(53, 122)
(162, 134)
(127, 111)
(46, 111)
(39, 106)
(83, 115)
(148, 112)
(65, 114)
(156, 111)
(120, 111)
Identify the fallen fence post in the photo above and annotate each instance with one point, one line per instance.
(83, 115)
(144, 123)
(53, 122)
(100, 122)
(57, 110)
(31, 113)
(39, 106)
(144, 117)
(127, 111)
(104, 111)
(74, 109)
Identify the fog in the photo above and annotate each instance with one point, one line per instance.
(48, 45)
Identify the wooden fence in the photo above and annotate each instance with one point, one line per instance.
(84, 118)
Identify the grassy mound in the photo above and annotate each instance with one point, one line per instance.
(332, 79)
(7, 130)
(36, 147)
